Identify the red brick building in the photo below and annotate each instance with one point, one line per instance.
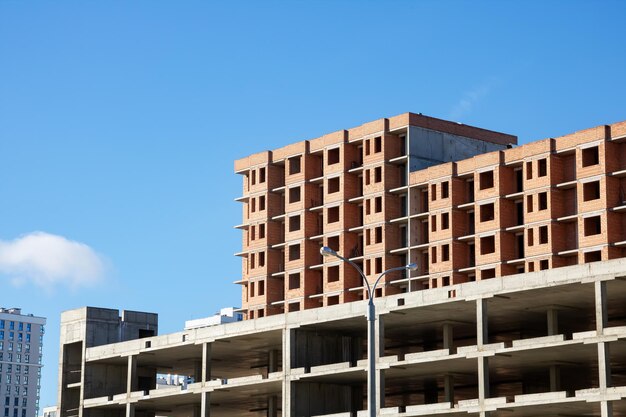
(461, 202)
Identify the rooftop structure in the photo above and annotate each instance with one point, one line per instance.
(226, 315)
(21, 344)
(459, 201)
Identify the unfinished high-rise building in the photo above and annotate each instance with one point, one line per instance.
(460, 202)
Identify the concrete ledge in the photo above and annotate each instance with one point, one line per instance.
(538, 341)
(429, 354)
(438, 408)
(584, 335)
(334, 415)
(389, 411)
(244, 380)
(330, 367)
(540, 398)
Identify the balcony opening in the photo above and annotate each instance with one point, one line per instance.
(333, 214)
(471, 220)
(294, 281)
(519, 246)
(519, 181)
(295, 165)
(591, 156)
(294, 223)
(486, 180)
(333, 185)
(487, 245)
(519, 211)
(470, 191)
(593, 226)
(333, 274)
(471, 252)
(333, 156)
(591, 191)
(487, 212)
(294, 195)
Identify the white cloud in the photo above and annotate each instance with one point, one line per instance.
(466, 104)
(49, 260)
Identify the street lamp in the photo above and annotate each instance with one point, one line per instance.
(371, 318)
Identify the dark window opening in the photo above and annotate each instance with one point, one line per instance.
(544, 264)
(333, 274)
(488, 273)
(591, 156)
(542, 167)
(333, 185)
(445, 221)
(593, 256)
(445, 189)
(294, 252)
(487, 245)
(543, 201)
(333, 156)
(295, 165)
(333, 214)
(487, 212)
(593, 226)
(543, 235)
(294, 223)
(262, 175)
(445, 253)
(486, 180)
(378, 174)
(294, 194)
(378, 204)
(378, 144)
(378, 234)
(591, 190)
(294, 281)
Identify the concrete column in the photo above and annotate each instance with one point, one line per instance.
(130, 410)
(482, 334)
(197, 371)
(483, 378)
(206, 362)
(604, 365)
(205, 404)
(272, 361)
(553, 321)
(601, 306)
(606, 409)
(448, 389)
(131, 376)
(289, 354)
(448, 338)
(272, 406)
(555, 378)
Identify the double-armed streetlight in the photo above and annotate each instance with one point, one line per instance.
(371, 321)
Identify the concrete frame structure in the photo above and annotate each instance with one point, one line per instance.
(21, 344)
(414, 189)
(535, 344)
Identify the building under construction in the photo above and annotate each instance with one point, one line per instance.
(518, 307)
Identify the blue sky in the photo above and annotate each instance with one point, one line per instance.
(120, 121)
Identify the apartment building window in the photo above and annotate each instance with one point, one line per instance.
(261, 175)
(367, 207)
(445, 221)
(294, 223)
(261, 259)
(367, 147)
(294, 281)
(529, 204)
(333, 214)
(294, 307)
(252, 261)
(294, 252)
(591, 190)
(544, 264)
(530, 237)
(333, 185)
(592, 226)
(378, 234)
(262, 203)
(294, 195)
(367, 177)
(591, 156)
(593, 256)
(261, 231)
(542, 167)
(261, 288)
(486, 180)
(488, 273)
(433, 192)
(378, 144)
(333, 274)
(445, 281)
(295, 165)
(331, 301)
(445, 253)
(433, 254)
(529, 170)
(378, 174)
(543, 235)
(378, 265)
(378, 204)
(367, 236)
(333, 243)
(251, 232)
(433, 223)
(487, 245)
(487, 212)
(543, 201)
(333, 156)
(253, 178)
(252, 205)
(445, 189)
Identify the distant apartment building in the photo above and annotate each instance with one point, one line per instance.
(21, 343)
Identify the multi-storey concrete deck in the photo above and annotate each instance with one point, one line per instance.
(544, 343)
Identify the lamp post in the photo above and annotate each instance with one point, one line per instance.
(371, 322)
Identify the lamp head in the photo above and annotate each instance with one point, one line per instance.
(411, 267)
(326, 251)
